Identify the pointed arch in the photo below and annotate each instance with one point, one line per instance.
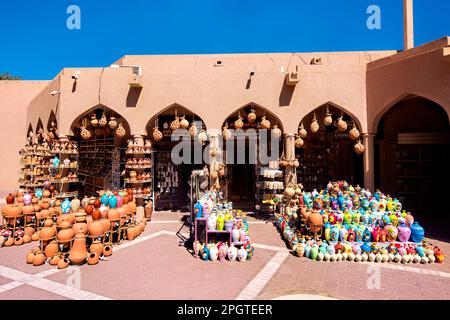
(39, 125)
(52, 122)
(30, 129)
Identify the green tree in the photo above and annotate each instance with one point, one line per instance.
(8, 76)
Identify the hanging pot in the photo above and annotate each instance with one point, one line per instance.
(103, 121)
(193, 131)
(238, 124)
(157, 135)
(202, 136)
(265, 124)
(184, 124)
(328, 120)
(120, 131)
(302, 131)
(359, 147)
(112, 123)
(276, 132)
(85, 133)
(314, 125)
(289, 192)
(226, 133)
(251, 116)
(353, 133)
(175, 124)
(94, 120)
(299, 142)
(341, 124)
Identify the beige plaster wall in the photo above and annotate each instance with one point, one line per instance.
(15, 97)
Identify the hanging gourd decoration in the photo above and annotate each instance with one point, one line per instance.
(238, 124)
(251, 116)
(299, 142)
(175, 124)
(359, 147)
(193, 130)
(85, 133)
(296, 163)
(94, 120)
(120, 131)
(103, 121)
(157, 135)
(353, 133)
(184, 124)
(265, 124)
(202, 136)
(328, 120)
(302, 131)
(276, 132)
(341, 124)
(226, 133)
(314, 125)
(112, 123)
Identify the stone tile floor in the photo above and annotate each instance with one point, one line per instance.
(155, 266)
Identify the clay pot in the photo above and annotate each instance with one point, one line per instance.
(276, 132)
(96, 214)
(95, 228)
(106, 224)
(29, 231)
(103, 121)
(302, 131)
(238, 124)
(156, 134)
(39, 258)
(131, 233)
(18, 241)
(120, 131)
(46, 232)
(29, 257)
(9, 242)
(226, 133)
(65, 235)
(89, 209)
(63, 263)
(96, 247)
(193, 131)
(265, 124)
(51, 249)
(299, 142)
(80, 227)
(289, 192)
(315, 221)
(10, 199)
(35, 236)
(97, 203)
(12, 210)
(341, 124)
(359, 147)
(202, 137)
(149, 210)
(93, 258)
(184, 124)
(353, 133)
(78, 252)
(328, 120)
(85, 133)
(26, 238)
(113, 215)
(107, 250)
(314, 125)
(54, 261)
(80, 217)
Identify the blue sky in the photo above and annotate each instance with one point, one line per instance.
(36, 44)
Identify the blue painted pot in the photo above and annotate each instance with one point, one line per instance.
(417, 232)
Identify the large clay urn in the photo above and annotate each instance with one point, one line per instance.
(66, 234)
(315, 221)
(48, 231)
(51, 249)
(132, 205)
(11, 210)
(96, 214)
(113, 215)
(96, 229)
(96, 246)
(80, 227)
(106, 224)
(78, 252)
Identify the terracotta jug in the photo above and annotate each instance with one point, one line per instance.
(63, 263)
(78, 252)
(95, 228)
(107, 250)
(30, 257)
(80, 227)
(39, 258)
(93, 258)
(54, 261)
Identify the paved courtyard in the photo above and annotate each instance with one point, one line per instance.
(155, 266)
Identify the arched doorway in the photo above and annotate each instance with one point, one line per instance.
(102, 136)
(328, 154)
(412, 153)
(249, 155)
(171, 177)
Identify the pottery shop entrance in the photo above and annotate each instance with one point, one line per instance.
(101, 134)
(171, 180)
(329, 135)
(412, 152)
(245, 183)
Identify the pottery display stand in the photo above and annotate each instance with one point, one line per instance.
(67, 245)
(114, 230)
(32, 223)
(15, 225)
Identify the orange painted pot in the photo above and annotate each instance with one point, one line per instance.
(96, 247)
(93, 258)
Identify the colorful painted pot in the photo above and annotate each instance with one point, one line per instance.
(104, 199)
(417, 232)
(404, 232)
(112, 201)
(65, 206)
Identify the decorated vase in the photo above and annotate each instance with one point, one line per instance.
(417, 232)
(404, 232)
